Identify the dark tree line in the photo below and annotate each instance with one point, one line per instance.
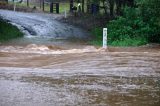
(111, 7)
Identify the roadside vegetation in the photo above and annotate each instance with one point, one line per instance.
(136, 25)
(129, 22)
(8, 31)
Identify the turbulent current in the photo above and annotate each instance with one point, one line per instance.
(42, 28)
(45, 68)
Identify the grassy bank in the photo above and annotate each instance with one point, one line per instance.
(138, 24)
(131, 29)
(8, 31)
(117, 40)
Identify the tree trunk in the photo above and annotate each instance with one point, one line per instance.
(43, 5)
(88, 6)
(40, 4)
(119, 6)
(71, 5)
(111, 2)
(6, 1)
(27, 3)
(104, 7)
(83, 6)
(131, 3)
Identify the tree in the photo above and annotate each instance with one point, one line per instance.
(6, 1)
(139, 23)
(111, 3)
(83, 5)
(27, 3)
(150, 12)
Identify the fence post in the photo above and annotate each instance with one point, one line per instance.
(27, 3)
(83, 6)
(57, 8)
(43, 5)
(14, 6)
(65, 13)
(71, 5)
(51, 7)
(94, 8)
(105, 38)
(40, 3)
(6, 1)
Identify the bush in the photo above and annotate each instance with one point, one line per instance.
(8, 31)
(137, 26)
(130, 26)
(150, 12)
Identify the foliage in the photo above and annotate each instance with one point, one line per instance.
(138, 25)
(8, 31)
(150, 12)
(129, 26)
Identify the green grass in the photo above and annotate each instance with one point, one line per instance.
(129, 42)
(8, 31)
(62, 6)
(123, 42)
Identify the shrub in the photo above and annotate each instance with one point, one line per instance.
(150, 12)
(138, 25)
(130, 26)
(8, 31)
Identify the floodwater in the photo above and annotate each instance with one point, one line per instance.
(54, 75)
(85, 79)
(44, 29)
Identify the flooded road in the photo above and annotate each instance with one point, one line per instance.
(63, 73)
(80, 79)
(44, 29)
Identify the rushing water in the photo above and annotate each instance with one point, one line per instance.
(85, 79)
(42, 28)
(61, 73)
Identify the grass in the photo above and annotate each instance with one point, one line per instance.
(8, 31)
(130, 42)
(124, 42)
(62, 6)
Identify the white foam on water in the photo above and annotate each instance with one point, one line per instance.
(43, 49)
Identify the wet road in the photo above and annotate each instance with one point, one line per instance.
(44, 29)
(50, 75)
(83, 79)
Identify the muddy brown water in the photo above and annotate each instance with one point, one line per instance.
(117, 77)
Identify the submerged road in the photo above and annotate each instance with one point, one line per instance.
(42, 28)
(47, 75)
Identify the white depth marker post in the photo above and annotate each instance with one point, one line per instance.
(105, 38)
(14, 6)
(65, 14)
